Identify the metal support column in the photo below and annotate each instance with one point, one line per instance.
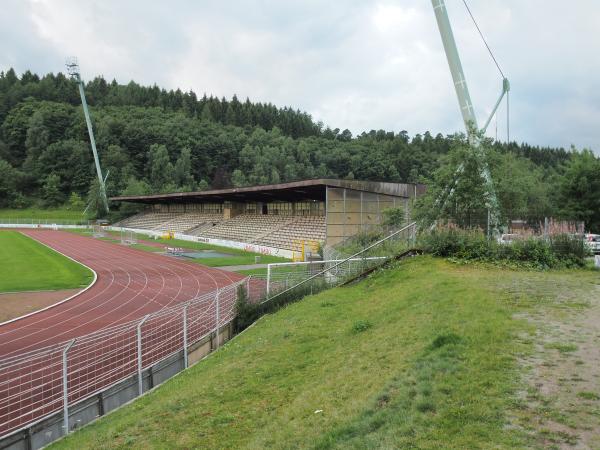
(344, 224)
(456, 70)
(217, 319)
(466, 109)
(66, 387)
(139, 355)
(185, 338)
(268, 281)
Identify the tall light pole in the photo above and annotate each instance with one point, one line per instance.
(73, 70)
(468, 112)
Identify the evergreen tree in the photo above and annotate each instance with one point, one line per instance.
(183, 171)
(51, 189)
(37, 140)
(206, 114)
(75, 202)
(161, 172)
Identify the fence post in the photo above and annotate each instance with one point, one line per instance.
(268, 281)
(66, 387)
(217, 318)
(248, 287)
(139, 354)
(185, 338)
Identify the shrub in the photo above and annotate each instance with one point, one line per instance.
(445, 339)
(456, 242)
(558, 251)
(570, 249)
(360, 326)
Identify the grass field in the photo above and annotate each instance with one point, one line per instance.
(237, 258)
(253, 272)
(27, 265)
(422, 355)
(39, 213)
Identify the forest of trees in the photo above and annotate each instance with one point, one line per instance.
(152, 140)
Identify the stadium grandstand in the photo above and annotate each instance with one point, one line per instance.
(276, 217)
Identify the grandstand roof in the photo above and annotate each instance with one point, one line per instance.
(294, 191)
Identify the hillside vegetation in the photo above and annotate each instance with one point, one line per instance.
(153, 140)
(22, 214)
(422, 355)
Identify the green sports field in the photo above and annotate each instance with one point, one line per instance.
(27, 265)
(57, 214)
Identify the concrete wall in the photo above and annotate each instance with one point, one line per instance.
(351, 211)
(50, 428)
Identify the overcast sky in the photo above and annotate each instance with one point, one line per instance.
(352, 64)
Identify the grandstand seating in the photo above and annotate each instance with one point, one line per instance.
(285, 232)
(178, 222)
(309, 228)
(181, 223)
(245, 227)
(147, 220)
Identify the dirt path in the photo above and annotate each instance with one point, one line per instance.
(560, 402)
(19, 303)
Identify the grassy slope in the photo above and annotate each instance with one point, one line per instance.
(422, 355)
(38, 213)
(27, 265)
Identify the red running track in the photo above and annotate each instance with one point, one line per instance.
(131, 283)
(105, 319)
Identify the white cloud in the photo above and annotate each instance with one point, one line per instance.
(357, 65)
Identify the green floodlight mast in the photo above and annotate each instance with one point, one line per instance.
(468, 114)
(73, 70)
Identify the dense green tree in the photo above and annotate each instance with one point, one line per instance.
(132, 188)
(71, 160)
(51, 190)
(76, 202)
(227, 142)
(160, 168)
(37, 140)
(8, 183)
(521, 188)
(183, 171)
(238, 179)
(457, 190)
(579, 191)
(95, 202)
(206, 115)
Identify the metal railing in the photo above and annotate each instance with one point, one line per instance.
(41, 382)
(44, 381)
(330, 273)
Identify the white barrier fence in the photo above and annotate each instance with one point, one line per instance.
(36, 384)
